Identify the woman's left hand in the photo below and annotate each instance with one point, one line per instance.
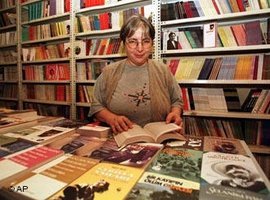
(174, 116)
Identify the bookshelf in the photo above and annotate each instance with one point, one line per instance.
(8, 54)
(186, 21)
(44, 66)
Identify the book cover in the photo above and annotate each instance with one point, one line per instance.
(17, 164)
(10, 145)
(103, 181)
(210, 35)
(157, 186)
(135, 155)
(232, 170)
(53, 176)
(41, 133)
(179, 163)
(224, 145)
(218, 192)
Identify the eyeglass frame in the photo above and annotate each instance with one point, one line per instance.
(137, 43)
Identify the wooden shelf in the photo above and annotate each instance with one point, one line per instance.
(47, 102)
(62, 37)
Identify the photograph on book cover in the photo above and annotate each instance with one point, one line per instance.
(232, 170)
(153, 186)
(178, 162)
(171, 40)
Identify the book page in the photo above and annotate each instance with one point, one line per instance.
(136, 134)
(158, 128)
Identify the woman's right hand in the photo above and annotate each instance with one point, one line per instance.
(119, 123)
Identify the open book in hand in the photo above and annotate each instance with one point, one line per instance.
(155, 132)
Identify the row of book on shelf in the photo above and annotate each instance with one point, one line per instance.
(8, 38)
(239, 67)
(226, 100)
(189, 9)
(107, 20)
(45, 92)
(254, 32)
(103, 46)
(254, 132)
(78, 159)
(45, 31)
(7, 4)
(42, 9)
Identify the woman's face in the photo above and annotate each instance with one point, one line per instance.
(138, 47)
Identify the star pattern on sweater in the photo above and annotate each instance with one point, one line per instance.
(139, 97)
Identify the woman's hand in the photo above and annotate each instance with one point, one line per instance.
(174, 116)
(119, 123)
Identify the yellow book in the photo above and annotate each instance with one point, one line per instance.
(223, 37)
(103, 181)
(196, 68)
(239, 68)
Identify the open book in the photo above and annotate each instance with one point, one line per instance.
(155, 132)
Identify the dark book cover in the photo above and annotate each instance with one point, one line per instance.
(266, 67)
(232, 99)
(254, 37)
(206, 69)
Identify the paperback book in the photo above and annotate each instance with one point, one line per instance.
(224, 145)
(21, 162)
(155, 132)
(233, 170)
(135, 155)
(52, 177)
(179, 163)
(103, 181)
(41, 133)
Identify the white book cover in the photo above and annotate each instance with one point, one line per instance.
(210, 35)
(39, 134)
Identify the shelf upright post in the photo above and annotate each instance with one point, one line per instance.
(19, 50)
(72, 60)
(156, 22)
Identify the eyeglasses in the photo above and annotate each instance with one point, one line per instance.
(146, 43)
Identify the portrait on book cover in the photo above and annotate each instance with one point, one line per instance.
(170, 40)
(235, 171)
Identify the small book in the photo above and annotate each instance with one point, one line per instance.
(94, 130)
(210, 35)
(155, 132)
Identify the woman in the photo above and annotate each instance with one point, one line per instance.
(136, 89)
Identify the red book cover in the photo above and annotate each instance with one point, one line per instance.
(67, 5)
(110, 47)
(241, 5)
(36, 156)
(187, 9)
(216, 7)
(256, 66)
(104, 21)
(173, 65)
(60, 93)
(185, 99)
(51, 72)
(64, 72)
